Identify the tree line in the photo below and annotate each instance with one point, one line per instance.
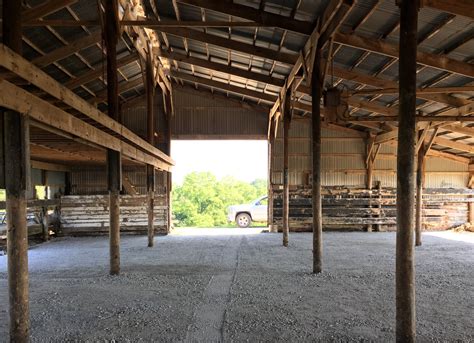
(202, 200)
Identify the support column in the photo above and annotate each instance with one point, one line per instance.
(370, 169)
(420, 180)
(316, 93)
(470, 184)
(271, 143)
(150, 169)
(405, 269)
(168, 98)
(114, 165)
(16, 145)
(286, 189)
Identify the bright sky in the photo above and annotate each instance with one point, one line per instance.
(244, 160)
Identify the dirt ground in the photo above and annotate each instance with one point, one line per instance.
(224, 285)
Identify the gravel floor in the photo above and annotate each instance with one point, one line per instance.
(243, 287)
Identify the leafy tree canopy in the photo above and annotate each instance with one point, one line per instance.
(202, 200)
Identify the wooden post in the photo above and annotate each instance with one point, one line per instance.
(470, 184)
(405, 273)
(15, 136)
(316, 93)
(167, 150)
(44, 223)
(370, 168)
(271, 143)
(286, 189)
(114, 165)
(420, 178)
(150, 94)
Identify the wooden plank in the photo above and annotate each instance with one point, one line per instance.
(249, 13)
(49, 166)
(226, 43)
(458, 7)
(17, 99)
(68, 50)
(381, 47)
(220, 67)
(45, 9)
(454, 145)
(31, 73)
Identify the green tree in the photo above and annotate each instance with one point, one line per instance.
(202, 200)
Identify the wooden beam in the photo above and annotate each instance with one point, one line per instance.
(68, 50)
(354, 76)
(223, 86)
(427, 90)
(45, 9)
(420, 176)
(15, 63)
(156, 24)
(49, 166)
(388, 49)
(15, 160)
(96, 73)
(463, 8)
(226, 43)
(123, 87)
(253, 14)
(454, 145)
(286, 189)
(220, 67)
(17, 99)
(405, 267)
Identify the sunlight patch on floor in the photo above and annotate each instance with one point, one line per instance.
(467, 237)
(226, 231)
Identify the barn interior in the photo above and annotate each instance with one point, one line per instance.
(368, 111)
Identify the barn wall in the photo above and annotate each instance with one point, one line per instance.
(204, 117)
(343, 167)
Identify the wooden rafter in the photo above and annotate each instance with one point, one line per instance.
(46, 8)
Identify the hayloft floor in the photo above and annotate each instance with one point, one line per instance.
(239, 287)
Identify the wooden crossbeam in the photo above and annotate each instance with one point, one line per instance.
(220, 67)
(96, 73)
(234, 45)
(355, 76)
(454, 145)
(68, 50)
(376, 46)
(123, 87)
(458, 7)
(46, 8)
(468, 131)
(388, 49)
(249, 13)
(17, 64)
(19, 100)
(223, 86)
(428, 90)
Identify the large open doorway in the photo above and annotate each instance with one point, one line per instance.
(220, 183)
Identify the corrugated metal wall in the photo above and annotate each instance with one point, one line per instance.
(198, 116)
(343, 161)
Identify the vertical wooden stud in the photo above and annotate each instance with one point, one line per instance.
(286, 186)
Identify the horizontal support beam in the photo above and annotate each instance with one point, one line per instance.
(68, 49)
(49, 166)
(463, 8)
(249, 13)
(220, 67)
(17, 99)
(18, 65)
(98, 72)
(234, 45)
(46, 8)
(429, 90)
(454, 145)
(388, 49)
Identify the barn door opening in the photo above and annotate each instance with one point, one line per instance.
(220, 184)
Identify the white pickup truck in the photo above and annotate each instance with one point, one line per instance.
(243, 215)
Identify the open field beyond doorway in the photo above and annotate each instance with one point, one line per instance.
(238, 285)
